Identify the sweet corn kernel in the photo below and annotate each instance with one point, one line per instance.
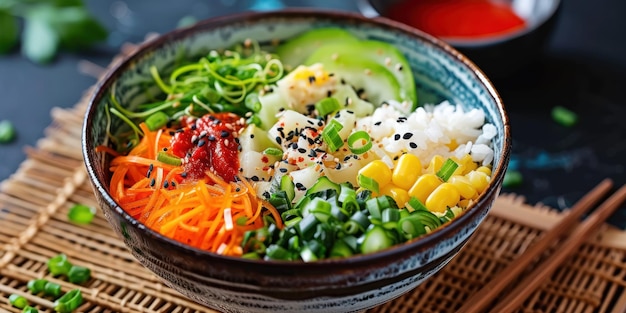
(453, 144)
(400, 195)
(464, 203)
(479, 180)
(378, 171)
(408, 168)
(468, 164)
(424, 185)
(464, 186)
(485, 170)
(443, 197)
(435, 164)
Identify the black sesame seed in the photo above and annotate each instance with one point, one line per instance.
(396, 137)
(283, 170)
(329, 93)
(172, 133)
(266, 194)
(407, 136)
(151, 167)
(413, 145)
(193, 127)
(152, 182)
(378, 123)
(255, 178)
(180, 130)
(183, 174)
(278, 140)
(210, 138)
(252, 136)
(212, 118)
(351, 112)
(173, 183)
(201, 143)
(301, 150)
(300, 186)
(165, 149)
(311, 79)
(224, 134)
(166, 184)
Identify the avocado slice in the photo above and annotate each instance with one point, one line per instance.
(295, 50)
(359, 71)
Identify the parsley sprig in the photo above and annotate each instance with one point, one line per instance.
(48, 25)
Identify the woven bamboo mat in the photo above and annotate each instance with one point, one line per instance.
(35, 200)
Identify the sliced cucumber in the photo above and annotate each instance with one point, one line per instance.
(286, 185)
(375, 79)
(323, 183)
(297, 49)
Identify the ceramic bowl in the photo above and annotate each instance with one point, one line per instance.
(500, 55)
(339, 285)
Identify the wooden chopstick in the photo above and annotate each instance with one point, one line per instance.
(485, 296)
(585, 229)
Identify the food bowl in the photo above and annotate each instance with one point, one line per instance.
(355, 283)
(500, 54)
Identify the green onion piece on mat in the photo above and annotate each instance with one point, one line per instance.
(59, 265)
(564, 116)
(273, 151)
(30, 309)
(512, 179)
(52, 289)
(69, 301)
(18, 301)
(36, 285)
(359, 136)
(81, 214)
(7, 131)
(79, 274)
(447, 169)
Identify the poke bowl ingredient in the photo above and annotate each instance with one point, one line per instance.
(302, 152)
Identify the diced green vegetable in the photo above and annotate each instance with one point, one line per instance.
(59, 265)
(81, 214)
(512, 179)
(169, 159)
(30, 309)
(327, 106)
(7, 131)
(361, 137)
(79, 274)
(36, 285)
(18, 301)
(157, 120)
(447, 169)
(564, 116)
(52, 289)
(69, 302)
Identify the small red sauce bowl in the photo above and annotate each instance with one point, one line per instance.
(500, 54)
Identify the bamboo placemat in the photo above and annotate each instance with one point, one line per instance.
(35, 200)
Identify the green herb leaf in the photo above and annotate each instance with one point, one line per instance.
(40, 41)
(77, 29)
(9, 34)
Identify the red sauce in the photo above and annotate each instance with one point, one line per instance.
(457, 18)
(208, 143)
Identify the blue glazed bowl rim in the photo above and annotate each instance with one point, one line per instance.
(419, 244)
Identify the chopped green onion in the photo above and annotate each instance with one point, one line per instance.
(340, 249)
(36, 285)
(7, 131)
(368, 183)
(273, 151)
(415, 204)
(81, 214)
(359, 136)
(411, 227)
(69, 301)
(79, 274)
(373, 207)
(169, 159)
(30, 309)
(376, 239)
(390, 215)
(447, 169)
(327, 106)
(512, 179)
(252, 102)
(59, 265)
(564, 116)
(276, 252)
(52, 289)
(307, 226)
(18, 301)
(157, 120)
(331, 137)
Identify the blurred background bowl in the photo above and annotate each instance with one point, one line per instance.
(337, 285)
(499, 55)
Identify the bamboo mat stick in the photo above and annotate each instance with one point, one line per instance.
(481, 299)
(580, 234)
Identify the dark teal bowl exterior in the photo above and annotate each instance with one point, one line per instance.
(340, 285)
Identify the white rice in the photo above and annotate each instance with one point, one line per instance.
(432, 129)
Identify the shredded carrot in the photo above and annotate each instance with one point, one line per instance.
(202, 213)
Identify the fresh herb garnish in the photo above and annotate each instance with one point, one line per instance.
(49, 25)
